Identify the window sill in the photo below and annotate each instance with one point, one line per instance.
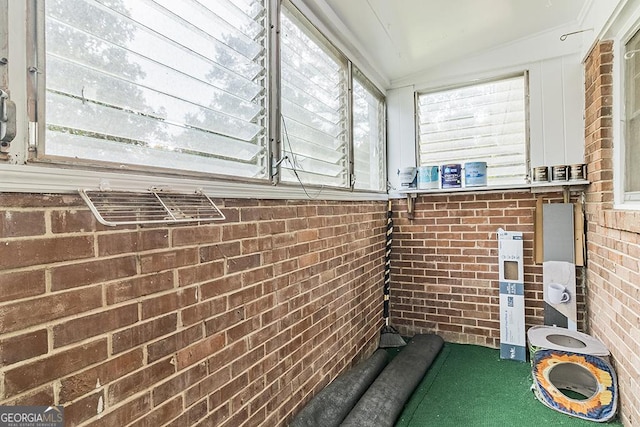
(545, 187)
(53, 180)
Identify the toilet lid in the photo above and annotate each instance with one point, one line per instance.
(562, 339)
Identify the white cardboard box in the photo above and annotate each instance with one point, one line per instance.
(511, 278)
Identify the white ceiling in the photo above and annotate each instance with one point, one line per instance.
(404, 37)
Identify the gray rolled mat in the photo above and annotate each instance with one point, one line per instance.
(332, 404)
(383, 402)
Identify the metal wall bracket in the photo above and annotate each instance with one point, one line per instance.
(153, 207)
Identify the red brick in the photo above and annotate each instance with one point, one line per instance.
(259, 305)
(307, 235)
(257, 275)
(299, 250)
(203, 234)
(95, 324)
(72, 221)
(173, 343)
(161, 415)
(163, 304)
(24, 253)
(237, 418)
(287, 266)
(260, 244)
(246, 361)
(242, 263)
(324, 293)
(178, 384)
(200, 350)
(39, 397)
(243, 329)
(252, 214)
(142, 333)
(219, 251)
(443, 254)
(270, 228)
(222, 322)
(85, 273)
(21, 284)
(159, 261)
(55, 366)
(244, 296)
(220, 286)
(23, 347)
(126, 413)
(200, 273)
(132, 241)
(296, 224)
(190, 416)
(239, 231)
(224, 356)
(139, 381)
(308, 260)
(209, 385)
(21, 223)
(205, 310)
(234, 387)
(138, 286)
(83, 382)
(257, 417)
(34, 200)
(218, 416)
(44, 309)
(83, 409)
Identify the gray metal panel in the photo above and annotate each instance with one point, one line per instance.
(557, 226)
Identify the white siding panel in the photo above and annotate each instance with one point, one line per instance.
(536, 111)
(553, 112)
(401, 132)
(573, 82)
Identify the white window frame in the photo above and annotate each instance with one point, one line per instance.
(526, 144)
(626, 31)
(292, 168)
(44, 151)
(370, 88)
(21, 174)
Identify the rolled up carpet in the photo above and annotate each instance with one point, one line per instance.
(332, 404)
(384, 401)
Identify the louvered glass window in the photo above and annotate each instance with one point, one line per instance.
(480, 123)
(162, 83)
(314, 97)
(368, 135)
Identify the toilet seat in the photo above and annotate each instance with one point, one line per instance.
(591, 376)
(556, 338)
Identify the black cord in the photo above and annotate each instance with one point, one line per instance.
(295, 168)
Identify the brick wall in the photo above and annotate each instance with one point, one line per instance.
(229, 324)
(445, 264)
(613, 241)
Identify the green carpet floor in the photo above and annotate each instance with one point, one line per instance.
(469, 386)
